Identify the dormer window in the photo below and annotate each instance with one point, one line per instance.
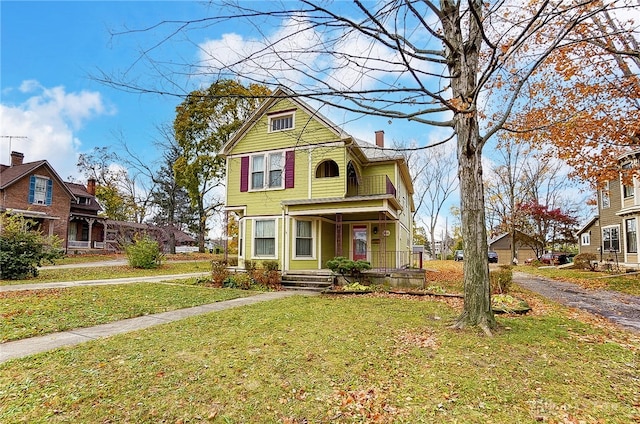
(83, 200)
(281, 121)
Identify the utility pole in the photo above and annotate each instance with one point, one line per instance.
(11, 137)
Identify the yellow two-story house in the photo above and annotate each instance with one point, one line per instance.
(304, 191)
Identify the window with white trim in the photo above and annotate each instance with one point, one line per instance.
(40, 196)
(241, 238)
(585, 239)
(264, 238)
(304, 239)
(281, 122)
(631, 235)
(40, 190)
(267, 171)
(627, 190)
(605, 200)
(611, 239)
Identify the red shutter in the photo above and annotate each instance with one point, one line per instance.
(244, 173)
(289, 169)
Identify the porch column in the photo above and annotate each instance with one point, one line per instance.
(382, 228)
(338, 234)
(90, 221)
(225, 237)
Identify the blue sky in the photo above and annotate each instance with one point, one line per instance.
(50, 49)
(48, 52)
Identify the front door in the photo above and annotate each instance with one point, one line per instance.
(359, 242)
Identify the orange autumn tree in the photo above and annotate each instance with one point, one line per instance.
(582, 104)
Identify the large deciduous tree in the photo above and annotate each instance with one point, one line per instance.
(431, 63)
(204, 122)
(115, 190)
(173, 208)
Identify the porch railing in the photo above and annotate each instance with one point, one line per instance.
(371, 185)
(76, 244)
(391, 260)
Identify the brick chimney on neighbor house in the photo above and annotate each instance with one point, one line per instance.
(91, 186)
(380, 139)
(16, 158)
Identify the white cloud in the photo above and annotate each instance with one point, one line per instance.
(50, 119)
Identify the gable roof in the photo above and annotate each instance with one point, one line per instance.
(519, 235)
(588, 224)
(366, 151)
(12, 174)
(279, 94)
(79, 190)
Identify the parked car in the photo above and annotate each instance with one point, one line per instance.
(458, 255)
(554, 259)
(493, 257)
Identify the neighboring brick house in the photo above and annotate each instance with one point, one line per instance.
(613, 233)
(70, 210)
(86, 228)
(37, 192)
(304, 191)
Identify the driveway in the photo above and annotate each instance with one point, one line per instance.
(623, 309)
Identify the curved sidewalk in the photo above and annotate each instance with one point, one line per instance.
(33, 345)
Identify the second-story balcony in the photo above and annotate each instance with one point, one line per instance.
(370, 186)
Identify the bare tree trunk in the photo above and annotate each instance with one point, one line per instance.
(202, 225)
(463, 63)
(477, 291)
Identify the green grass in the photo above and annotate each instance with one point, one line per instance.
(629, 284)
(32, 313)
(354, 359)
(119, 271)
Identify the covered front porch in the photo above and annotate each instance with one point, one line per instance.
(365, 232)
(86, 233)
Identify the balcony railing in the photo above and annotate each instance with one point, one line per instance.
(370, 186)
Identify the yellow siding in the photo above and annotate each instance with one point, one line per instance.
(331, 186)
(307, 131)
(328, 242)
(266, 202)
(388, 169)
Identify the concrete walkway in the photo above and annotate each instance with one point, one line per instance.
(124, 280)
(33, 345)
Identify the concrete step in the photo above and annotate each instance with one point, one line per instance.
(307, 281)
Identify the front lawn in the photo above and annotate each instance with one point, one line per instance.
(113, 271)
(30, 313)
(361, 359)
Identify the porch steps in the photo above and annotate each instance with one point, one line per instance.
(316, 280)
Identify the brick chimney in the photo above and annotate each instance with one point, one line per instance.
(16, 158)
(91, 186)
(380, 138)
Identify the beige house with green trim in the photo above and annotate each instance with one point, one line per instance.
(612, 235)
(304, 191)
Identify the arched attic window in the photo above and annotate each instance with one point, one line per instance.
(327, 168)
